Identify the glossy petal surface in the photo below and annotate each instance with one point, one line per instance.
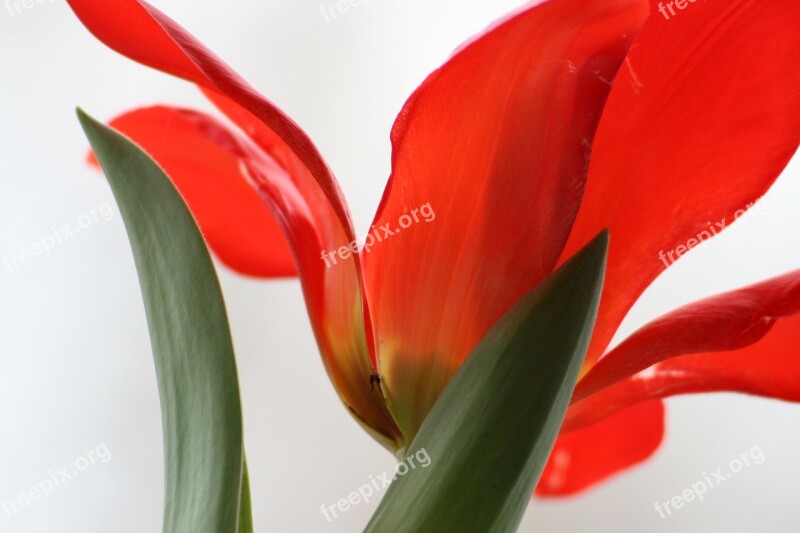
(702, 119)
(495, 145)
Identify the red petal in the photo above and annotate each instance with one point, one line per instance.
(588, 456)
(741, 341)
(702, 118)
(290, 176)
(495, 144)
(232, 215)
(141, 32)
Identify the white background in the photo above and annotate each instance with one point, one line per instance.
(76, 366)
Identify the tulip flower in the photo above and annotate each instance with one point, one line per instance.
(566, 117)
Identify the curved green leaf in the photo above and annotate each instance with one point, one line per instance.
(206, 490)
(491, 431)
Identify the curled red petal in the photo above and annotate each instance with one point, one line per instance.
(299, 188)
(742, 341)
(141, 32)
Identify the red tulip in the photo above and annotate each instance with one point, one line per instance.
(565, 118)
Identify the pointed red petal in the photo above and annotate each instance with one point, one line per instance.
(488, 167)
(290, 176)
(742, 341)
(587, 456)
(702, 118)
(232, 215)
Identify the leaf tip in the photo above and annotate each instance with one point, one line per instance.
(88, 123)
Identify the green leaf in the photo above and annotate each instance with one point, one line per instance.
(245, 509)
(206, 485)
(491, 431)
